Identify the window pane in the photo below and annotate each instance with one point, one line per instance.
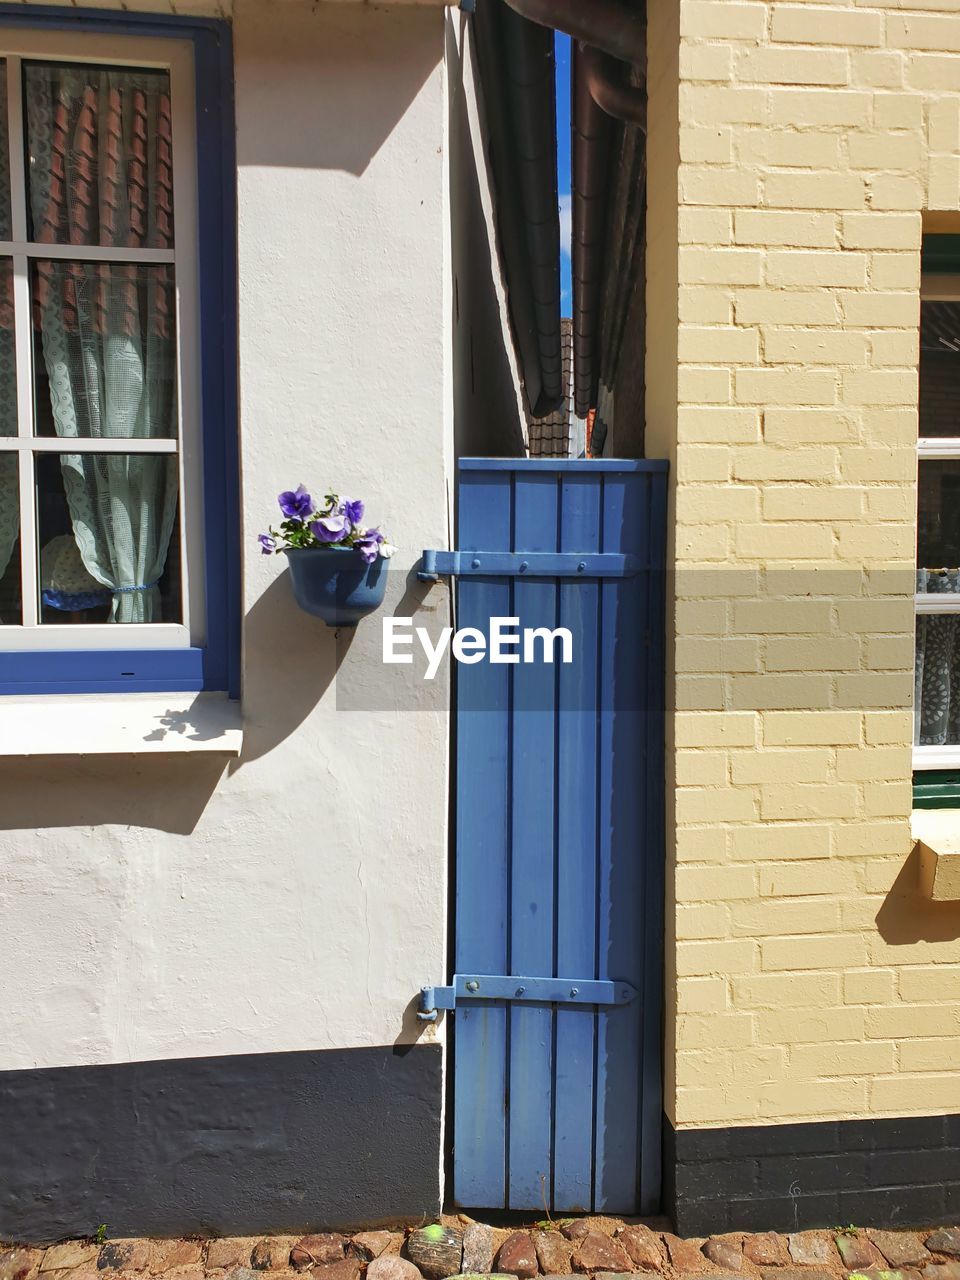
(937, 692)
(99, 155)
(104, 350)
(8, 357)
(938, 523)
(940, 368)
(108, 537)
(9, 540)
(6, 230)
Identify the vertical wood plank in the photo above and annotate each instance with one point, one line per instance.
(623, 645)
(574, 1101)
(532, 869)
(482, 857)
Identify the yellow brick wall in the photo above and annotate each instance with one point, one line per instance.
(812, 981)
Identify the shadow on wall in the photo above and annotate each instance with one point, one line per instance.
(165, 793)
(338, 47)
(170, 792)
(291, 659)
(907, 916)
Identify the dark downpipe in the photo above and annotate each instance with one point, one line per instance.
(606, 30)
(606, 24)
(592, 140)
(606, 80)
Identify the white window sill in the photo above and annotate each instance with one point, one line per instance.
(119, 724)
(947, 757)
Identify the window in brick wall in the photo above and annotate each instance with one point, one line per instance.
(937, 692)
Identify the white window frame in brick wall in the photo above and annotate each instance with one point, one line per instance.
(938, 288)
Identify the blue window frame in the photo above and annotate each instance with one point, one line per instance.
(214, 665)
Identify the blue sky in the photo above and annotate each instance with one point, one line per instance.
(562, 46)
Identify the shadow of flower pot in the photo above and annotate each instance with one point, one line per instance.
(336, 584)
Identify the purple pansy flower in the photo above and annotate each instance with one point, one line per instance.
(267, 544)
(296, 504)
(330, 528)
(353, 510)
(368, 544)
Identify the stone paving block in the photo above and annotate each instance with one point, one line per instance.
(796, 1273)
(345, 1269)
(478, 1249)
(947, 1241)
(599, 1252)
(812, 1248)
(391, 1267)
(19, 1264)
(766, 1249)
(857, 1252)
(371, 1244)
(437, 1250)
(553, 1253)
(576, 1229)
(724, 1251)
(70, 1254)
(317, 1249)
(517, 1256)
(685, 1255)
(172, 1255)
(900, 1248)
(195, 1272)
(941, 1271)
(642, 1246)
(881, 1273)
(272, 1253)
(230, 1251)
(125, 1255)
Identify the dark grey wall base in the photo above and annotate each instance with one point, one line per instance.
(337, 1138)
(881, 1173)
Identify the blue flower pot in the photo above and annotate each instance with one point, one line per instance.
(336, 585)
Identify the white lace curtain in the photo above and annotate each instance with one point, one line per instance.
(99, 141)
(936, 705)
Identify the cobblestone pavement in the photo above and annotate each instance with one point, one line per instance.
(606, 1248)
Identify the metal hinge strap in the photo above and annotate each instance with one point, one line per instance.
(520, 990)
(529, 564)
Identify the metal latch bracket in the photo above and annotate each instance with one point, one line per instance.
(527, 564)
(520, 990)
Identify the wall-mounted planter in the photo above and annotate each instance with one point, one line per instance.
(336, 584)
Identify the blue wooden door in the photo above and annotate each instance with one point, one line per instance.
(559, 841)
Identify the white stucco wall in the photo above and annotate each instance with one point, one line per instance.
(173, 907)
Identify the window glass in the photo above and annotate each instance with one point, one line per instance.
(99, 155)
(104, 349)
(940, 369)
(937, 673)
(938, 519)
(107, 529)
(8, 356)
(6, 226)
(10, 596)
